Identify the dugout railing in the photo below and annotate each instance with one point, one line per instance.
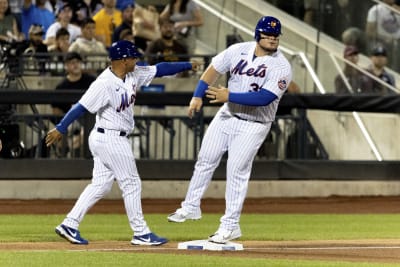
(169, 136)
(156, 137)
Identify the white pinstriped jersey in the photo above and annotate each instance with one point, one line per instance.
(112, 98)
(249, 73)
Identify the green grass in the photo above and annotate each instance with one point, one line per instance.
(100, 227)
(108, 259)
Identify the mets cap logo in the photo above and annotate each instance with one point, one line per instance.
(282, 84)
(273, 24)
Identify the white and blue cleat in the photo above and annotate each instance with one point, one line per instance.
(149, 239)
(70, 234)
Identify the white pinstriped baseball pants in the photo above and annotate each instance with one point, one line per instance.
(113, 160)
(241, 139)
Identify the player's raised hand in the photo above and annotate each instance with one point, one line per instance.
(218, 94)
(53, 136)
(194, 106)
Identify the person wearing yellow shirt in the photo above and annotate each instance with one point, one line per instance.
(107, 19)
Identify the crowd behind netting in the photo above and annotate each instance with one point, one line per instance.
(42, 32)
(371, 28)
(36, 35)
(70, 40)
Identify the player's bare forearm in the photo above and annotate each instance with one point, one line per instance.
(218, 94)
(53, 136)
(210, 75)
(194, 106)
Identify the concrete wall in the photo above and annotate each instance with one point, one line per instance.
(177, 189)
(344, 140)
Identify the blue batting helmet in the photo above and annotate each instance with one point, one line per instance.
(267, 25)
(123, 49)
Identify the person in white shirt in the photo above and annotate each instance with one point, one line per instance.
(383, 28)
(64, 15)
(94, 52)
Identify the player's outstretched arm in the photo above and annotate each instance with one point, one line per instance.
(171, 68)
(74, 113)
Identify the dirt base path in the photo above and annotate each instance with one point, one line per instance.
(350, 250)
(344, 205)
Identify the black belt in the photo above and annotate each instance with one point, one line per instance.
(242, 119)
(121, 133)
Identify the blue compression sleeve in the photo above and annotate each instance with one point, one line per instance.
(75, 112)
(260, 98)
(201, 88)
(171, 68)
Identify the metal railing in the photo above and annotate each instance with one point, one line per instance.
(154, 137)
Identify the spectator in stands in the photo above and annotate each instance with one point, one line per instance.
(127, 21)
(61, 44)
(121, 4)
(145, 25)
(379, 61)
(107, 19)
(35, 42)
(324, 16)
(358, 81)
(354, 36)
(166, 48)
(93, 51)
(8, 24)
(16, 10)
(95, 6)
(36, 49)
(383, 28)
(58, 51)
(36, 14)
(64, 15)
(80, 10)
(75, 79)
(1, 145)
(186, 15)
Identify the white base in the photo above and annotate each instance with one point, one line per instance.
(206, 245)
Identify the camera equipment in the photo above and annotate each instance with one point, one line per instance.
(11, 62)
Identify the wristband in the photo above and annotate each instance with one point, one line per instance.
(201, 88)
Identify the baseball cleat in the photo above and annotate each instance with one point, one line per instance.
(70, 234)
(148, 240)
(180, 216)
(223, 236)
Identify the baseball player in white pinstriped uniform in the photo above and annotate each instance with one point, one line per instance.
(111, 96)
(259, 77)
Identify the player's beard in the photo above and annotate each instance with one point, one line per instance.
(268, 50)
